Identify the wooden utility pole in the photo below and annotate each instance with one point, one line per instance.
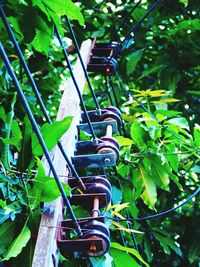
(46, 252)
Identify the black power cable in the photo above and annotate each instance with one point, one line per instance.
(39, 136)
(36, 91)
(75, 84)
(160, 213)
(124, 20)
(82, 64)
(132, 30)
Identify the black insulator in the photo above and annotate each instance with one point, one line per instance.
(95, 251)
(99, 180)
(96, 225)
(99, 189)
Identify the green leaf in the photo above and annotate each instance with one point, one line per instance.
(50, 191)
(66, 7)
(132, 251)
(181, 122)
(13, 21)
(43, 37)
(185, 2)
(173, 158)
(15, 141)
(51, 134)
(174, 178)
(122, 258)
(138, 135)
(133, 60)
(116, 195)
(147, 250)
(196, 135)
(2, 114)
(41, 178)
(159, 173)
(7, 234)
(16, 131)
(166, 242)
(123, 169)
(123, 141)
(168, 113)
(194, 253)
(18, 244)
(149, 194)
(25, 154)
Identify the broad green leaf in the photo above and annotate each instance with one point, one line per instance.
(51, 134)
(43, 37)
(166, 242)
(16, 131)
(151, 70)
(66, 7)
(138, 135)
(122, 258)
(7, 234)
(181, 122)
(13, 21)
(123, 169)
(133, 60)
(50, 191)
(132, 251)
(123, 141)
(168, 113)
(137, 183)
(25, 154)
(173, 157)
(174, 178)
(147, 250)
(6, 134)
(41, 178)
(152, 125)
(159, 173)
(149, 194)
(192, 92)
(18, 244)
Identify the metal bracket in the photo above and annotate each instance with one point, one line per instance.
(94, 161)
(69, 245)
(72, 181)
(99, 127)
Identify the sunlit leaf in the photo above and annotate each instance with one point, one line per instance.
(18, 244)
(122, 228)
(132, 251)
(51, 134)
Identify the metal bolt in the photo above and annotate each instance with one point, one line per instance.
(107, 160)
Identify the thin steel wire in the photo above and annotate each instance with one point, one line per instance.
(39, 136)
(75, 84)
(133, 29)
(36, 91)
(82, 64)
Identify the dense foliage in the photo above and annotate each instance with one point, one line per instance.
(159, 163)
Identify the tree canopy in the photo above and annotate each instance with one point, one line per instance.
(159, 156)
